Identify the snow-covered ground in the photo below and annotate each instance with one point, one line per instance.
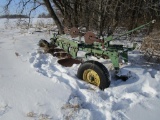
(33, 86)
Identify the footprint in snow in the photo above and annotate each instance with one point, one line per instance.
(4, 108)
(122, 104)
(31, 60)
(33, 54)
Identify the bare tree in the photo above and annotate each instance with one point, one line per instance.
(53, 15)
(99, 15)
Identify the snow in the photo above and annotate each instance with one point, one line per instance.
(34, 86)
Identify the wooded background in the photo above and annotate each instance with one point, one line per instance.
(102, 16)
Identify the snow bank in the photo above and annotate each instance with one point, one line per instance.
(112, 103)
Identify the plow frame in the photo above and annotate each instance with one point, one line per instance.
(91, 71)
(112, 52)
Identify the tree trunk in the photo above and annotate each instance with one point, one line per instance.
(54, 16)
(87, 15)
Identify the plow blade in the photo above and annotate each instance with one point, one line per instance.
(53, 50)
(62, 55)
(68, 62)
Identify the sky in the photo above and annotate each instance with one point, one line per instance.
(14, 8)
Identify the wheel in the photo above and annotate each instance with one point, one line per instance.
(95, 73)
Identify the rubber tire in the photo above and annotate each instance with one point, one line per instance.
(99, 68)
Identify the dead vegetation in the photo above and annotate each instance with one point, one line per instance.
(71, 109)
(151, 47)
(39, 116)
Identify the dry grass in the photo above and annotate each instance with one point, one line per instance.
(31, 114)
(69, 111)
(39, 117)
(151, 46)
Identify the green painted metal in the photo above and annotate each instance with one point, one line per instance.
(95, 49)
(73, 51)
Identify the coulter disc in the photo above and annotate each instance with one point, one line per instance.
(74, 32)
(90, 37)
(66, 30)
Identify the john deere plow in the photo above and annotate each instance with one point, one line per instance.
(65, 48)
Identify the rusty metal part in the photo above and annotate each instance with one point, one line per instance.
(66, 30)
(53, 50)
(105, 57)
(62, 55)
(43, 43)
(46, 46)
(59, 53)
(90, 38)
(74, 32)
(68, 62)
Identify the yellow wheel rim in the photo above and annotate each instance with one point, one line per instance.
(92, 77)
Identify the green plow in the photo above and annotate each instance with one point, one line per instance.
(93, 72)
